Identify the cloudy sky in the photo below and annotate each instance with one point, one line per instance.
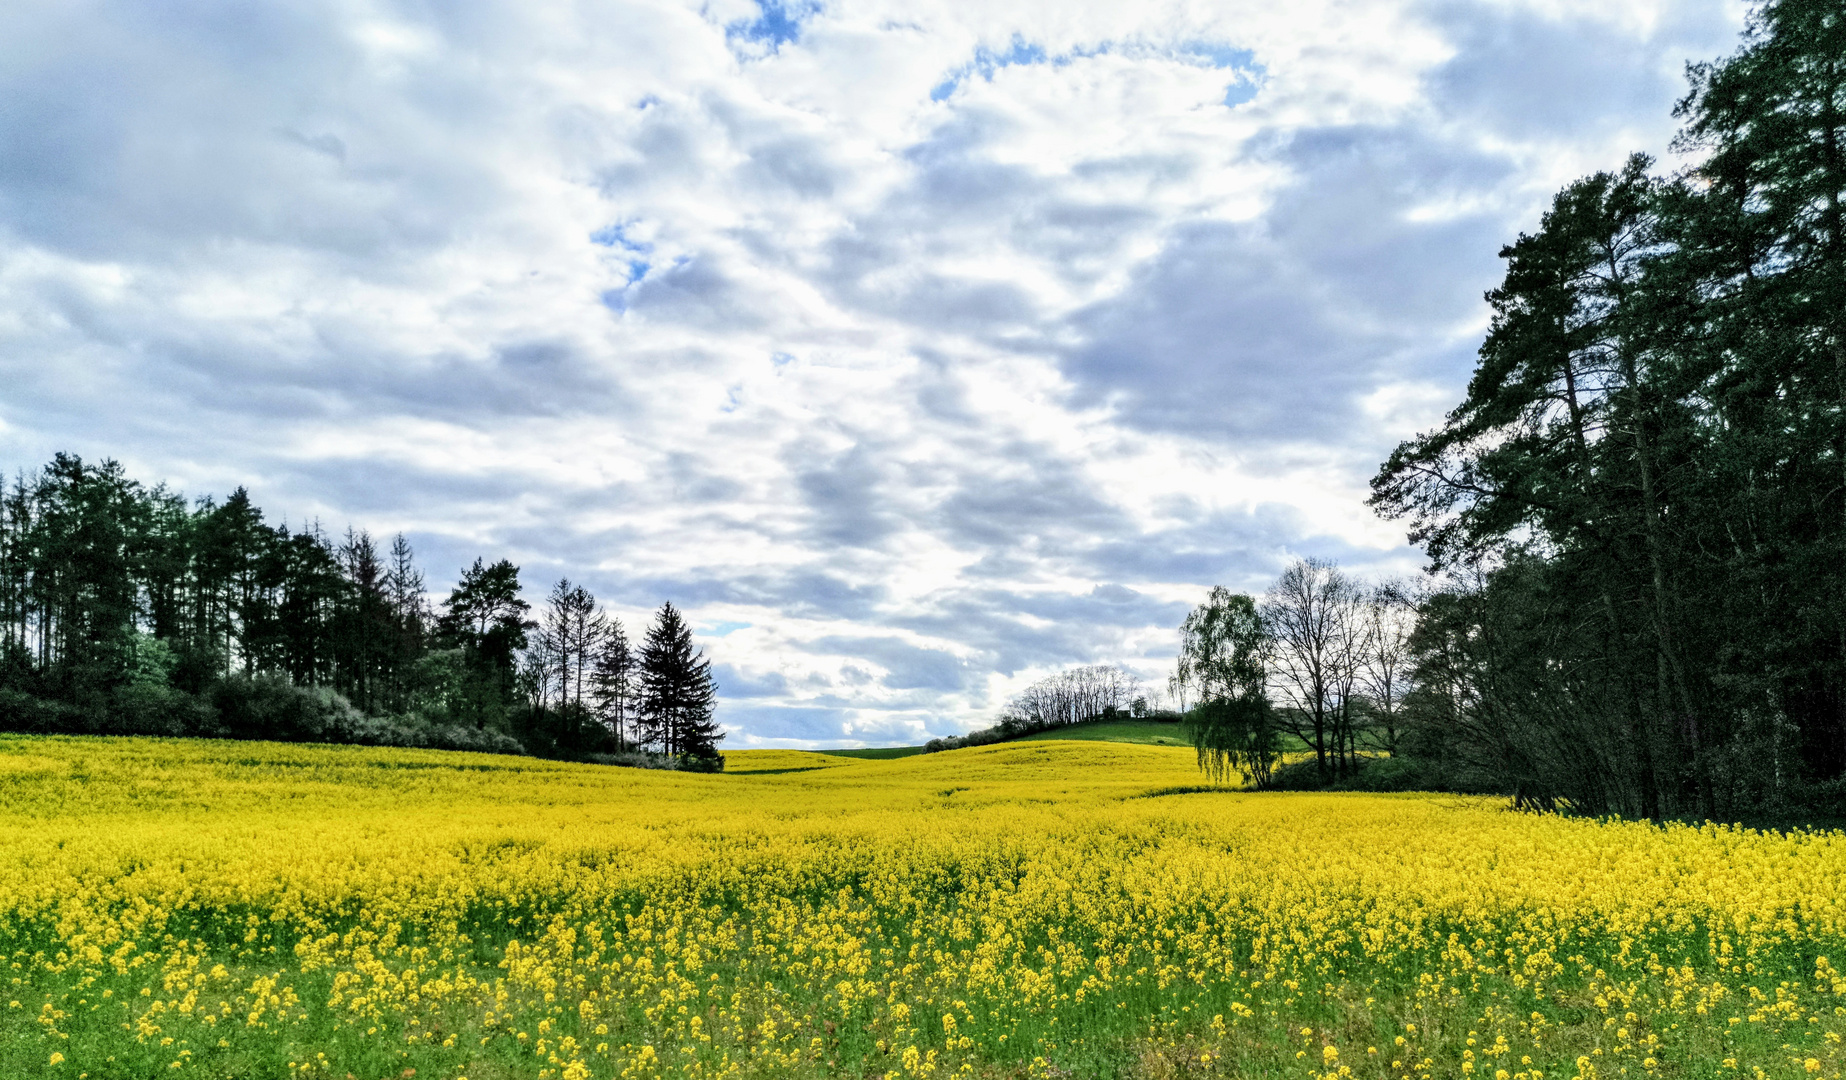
(917, 350)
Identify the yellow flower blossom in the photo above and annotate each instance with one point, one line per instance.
(1069, 908)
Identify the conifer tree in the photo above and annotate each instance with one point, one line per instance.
(677, 691)
(614, 683)
(486, 618)
(573, 630)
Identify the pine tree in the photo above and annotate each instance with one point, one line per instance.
(677, 691)
(574, 630)
(485, 617)
(367, 636)
(410, 618)
(613, 683)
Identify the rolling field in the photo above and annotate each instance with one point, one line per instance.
(1045, 908)
(876, 753)
(1145, 732)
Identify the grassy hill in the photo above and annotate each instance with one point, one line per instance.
(874, 753)
(1139, 732)
(1144, 732)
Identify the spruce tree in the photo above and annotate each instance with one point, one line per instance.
(612, 683)
(677, 691)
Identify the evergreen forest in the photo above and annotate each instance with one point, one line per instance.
(1635, 519)
(1640, 504)
(128, 609)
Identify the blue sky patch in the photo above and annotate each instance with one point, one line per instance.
(776, 24)
(616, 236)
(1219, 55)
(986, 62)
(1250, 74)
(1241, 91)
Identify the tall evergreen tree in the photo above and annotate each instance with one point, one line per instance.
(86, 594)
(677, 691)
(573, 630)
(613, 684)
(1644, 490)
(410, 619)
(366, 638)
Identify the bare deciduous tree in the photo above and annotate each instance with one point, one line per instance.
(1077, 695)
(1313, 616)
(1390, 617)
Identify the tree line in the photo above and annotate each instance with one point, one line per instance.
(1079, 695)
(1636, 517)
(128, 608)
(1319, 658)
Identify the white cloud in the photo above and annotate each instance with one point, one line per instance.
(941, 344)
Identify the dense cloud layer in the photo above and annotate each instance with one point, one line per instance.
(916, 350)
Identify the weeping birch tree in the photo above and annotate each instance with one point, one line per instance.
(1221, 670)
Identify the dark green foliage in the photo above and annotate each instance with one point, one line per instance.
(271, 707)
(557, 677)
(706, 761)
(648, 759)
(677, 694)
(123, 610)
(485, 619)
(1402, 773)
(613, 683)
(1641, 503)
(132, 710)
(1000, 732)
(104, 582)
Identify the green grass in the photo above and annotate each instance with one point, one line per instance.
(1145, 732)
(875, 753)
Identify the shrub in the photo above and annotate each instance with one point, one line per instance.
(20, 711)
(407, 732)
(271, 707)
(1401, 773)
(712, 762)
(635, 759)
(143, 708)
(240, 707)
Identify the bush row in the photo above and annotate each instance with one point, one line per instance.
(1015, 726)
(1385, 774)
(239, 707)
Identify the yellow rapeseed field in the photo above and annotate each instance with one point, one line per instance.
(239, 910)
